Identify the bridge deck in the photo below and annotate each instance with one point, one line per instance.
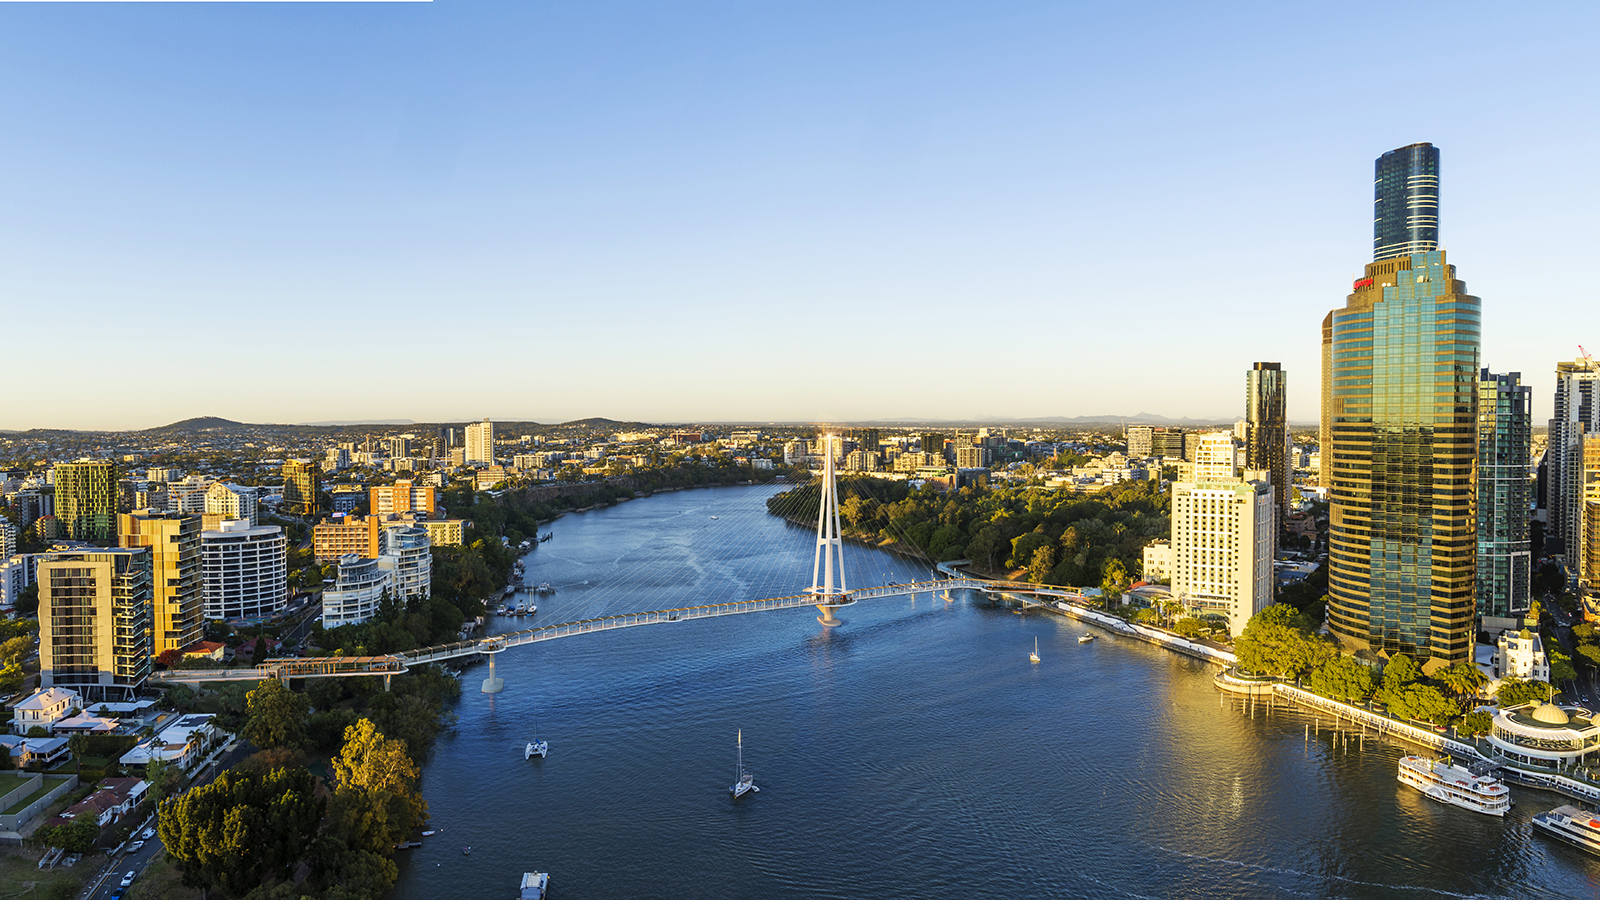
(343, 666)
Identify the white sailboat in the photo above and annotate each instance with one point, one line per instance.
(1034, 656)
(745, 782)
(536, 747)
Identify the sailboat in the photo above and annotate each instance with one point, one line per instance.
(746, 782)
(536, 747)
(1034, 656)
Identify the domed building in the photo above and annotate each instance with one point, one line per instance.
(1546, 735)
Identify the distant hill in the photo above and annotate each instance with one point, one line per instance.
(202, 423)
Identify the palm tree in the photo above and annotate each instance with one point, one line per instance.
(1464, 680)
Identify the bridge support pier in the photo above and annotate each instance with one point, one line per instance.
(828, 618)
(493, 684)
(386, 677)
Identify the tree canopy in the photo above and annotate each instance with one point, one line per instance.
(277, 716)
(243, 829)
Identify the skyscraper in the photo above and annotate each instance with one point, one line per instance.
(173, 540)
(1405, 208)
(1266, 430)
(86, 500)
(1222, 535)
(301, 484)
(1577, 412)
(1400, 416)
(1505, 446)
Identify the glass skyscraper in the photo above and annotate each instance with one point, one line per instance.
(1266, 439)
(1405, 209)
(1505, 446)
(1400, 416)
(86, 500)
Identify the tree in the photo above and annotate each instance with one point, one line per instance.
(164, 777)
(1043, 562)
(381, 768)
(1422, 702)
(277, 716)
(1514, 691)
(170, 658)
(1400, 671)
(1464, 680)
(1343, 678)
(1190, 627)
(77, 836)
(1113, 580)
(1475, 723)
(1273, 644)
(242, 830)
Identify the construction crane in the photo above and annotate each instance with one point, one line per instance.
(1585, 354)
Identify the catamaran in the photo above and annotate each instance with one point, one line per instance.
(745, 782)
(536, 747)
(1034, 656)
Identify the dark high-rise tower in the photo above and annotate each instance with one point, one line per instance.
(1266, 438)
(1400, 418)
(1505, 447)
(1405, 207)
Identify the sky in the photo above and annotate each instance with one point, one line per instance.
(294, 212)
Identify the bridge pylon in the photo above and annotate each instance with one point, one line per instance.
(829, 559)
(493, 684)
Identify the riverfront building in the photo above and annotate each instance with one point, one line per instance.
(301, 484)
(1505, 446)
(94, 621)
(86, 500)
(244, 571)
(1399, 420)
(1266, 430)
(1545, 735)
(1223, 535)
(407, 557)
(356, 593)
(173, 540)
(1577, 413)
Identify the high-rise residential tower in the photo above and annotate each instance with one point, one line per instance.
(1577, 412)
(302, 481)
(480, 443)
(1400, 423)
(94, 621)
(173, 540)
(1223, 535)
(1505, 446)
(86, 500)
(1405, 206)
(1266, 430)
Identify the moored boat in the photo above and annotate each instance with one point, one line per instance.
(1034, 656)
(540, 749)
(1455, 785)
(1569, 823)
(745, 783)
(534, 885)
(1085, 638)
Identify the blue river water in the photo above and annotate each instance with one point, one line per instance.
(913, 752)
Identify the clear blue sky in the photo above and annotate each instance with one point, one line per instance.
(737, 211)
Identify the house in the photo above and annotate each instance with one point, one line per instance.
(115, 798)
(184, 743)
(44, 708)
(26, 751)
(204, 649)
(86, 724)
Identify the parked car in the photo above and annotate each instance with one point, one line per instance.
(128, 878)
(149, 833)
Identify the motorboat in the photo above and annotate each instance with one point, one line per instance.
(1085, 638)
(534, 885)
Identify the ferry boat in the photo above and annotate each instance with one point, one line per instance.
(1085, 638)
(1456, 785)
(534, 885)
(1573, 825)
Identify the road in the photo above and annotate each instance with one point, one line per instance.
(110, 887)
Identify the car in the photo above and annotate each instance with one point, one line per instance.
(136, 846)
(128, 878)
(149, 833)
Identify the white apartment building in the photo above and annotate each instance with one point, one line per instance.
(480, 443)
(231, 501)
(16, 573)
(1223, 535)
(407, 557)
(189, 495)
(8, 539)
(1157, 562)
(356, 593)
(244, 571)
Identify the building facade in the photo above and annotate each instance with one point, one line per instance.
(86, 500)
(356, 593)
(443, 532)
(407, 558)
(1266, 430)
(1577, 413)
(1405, 210)
(401, 497)
(173, 539)
(1223, 536)
(1505, 448)
(244, 571)
(95, 621)
(302, 481)
(230, 501)
(345, 535)
(1400, 425)
(480, 444)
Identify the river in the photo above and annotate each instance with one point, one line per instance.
(913, 752)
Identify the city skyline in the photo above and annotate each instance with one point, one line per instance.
(663, 215)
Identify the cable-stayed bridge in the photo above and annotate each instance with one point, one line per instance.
(827, 593)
